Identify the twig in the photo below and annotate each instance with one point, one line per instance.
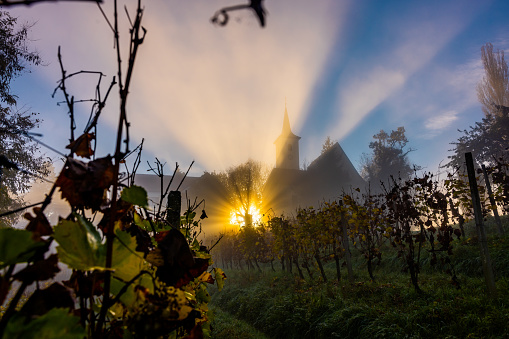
(217, 242)
(8, 3)
(185, 175)
(171, 180)
(70, 102)
(20, 209)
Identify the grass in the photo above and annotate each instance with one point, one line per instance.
(225, 326)
(283, 306)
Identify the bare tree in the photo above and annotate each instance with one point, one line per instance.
(244, 184)
(493, 90)
(487, 139)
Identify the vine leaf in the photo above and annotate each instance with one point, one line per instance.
(39, 225)
(81, 146)
(79, 244)
(180, 267)
(135, 195)
(57, 324)
(125, 262)
(83, 185)
(220, 277)
(39, 271)
(17, 246)
(141, 223)
(42, 301)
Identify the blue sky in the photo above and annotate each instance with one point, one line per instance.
(217, 94)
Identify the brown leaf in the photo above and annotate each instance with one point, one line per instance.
(83, 185)
(42, 301)
(81, 146)
(39, 224)
(39, 271)
(195, 333)
(121, 213)
(198, 268)
(175, 249)
(180, 266)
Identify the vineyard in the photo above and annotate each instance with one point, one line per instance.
(405, 263)
(278, 304)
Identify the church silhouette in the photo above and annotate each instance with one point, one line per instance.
(287, 187)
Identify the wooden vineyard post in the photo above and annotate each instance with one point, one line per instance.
(344, 226)
(173, 209)
(479, 226)
(492, 201)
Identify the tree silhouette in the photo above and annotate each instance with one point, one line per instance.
(389, 158)
(327, 144)
(488, 140)
(244, 184)
(20, 161)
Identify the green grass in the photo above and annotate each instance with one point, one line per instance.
(226, 326)
(283, 306)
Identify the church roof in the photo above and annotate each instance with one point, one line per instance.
(334, 163)
(325, 179)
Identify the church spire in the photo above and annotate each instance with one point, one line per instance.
(287, 130)
(287, 146)
(286, 123)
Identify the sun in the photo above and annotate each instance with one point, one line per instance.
(237, 216)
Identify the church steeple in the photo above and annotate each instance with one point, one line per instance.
(287, 146)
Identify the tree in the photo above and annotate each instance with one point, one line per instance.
(389, 157)
(244, 184)
(20, 152)
(493, 90)
(488, 139)
(327, 144)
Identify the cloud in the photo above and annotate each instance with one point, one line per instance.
(414, 40)
(464, 79)
(441, 122)
(361, 97)
(214, 94)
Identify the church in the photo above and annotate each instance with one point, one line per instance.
(287, 188)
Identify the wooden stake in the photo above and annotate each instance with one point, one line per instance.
(489, 277)
(492, 201)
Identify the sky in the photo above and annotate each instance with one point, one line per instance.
(345, 69)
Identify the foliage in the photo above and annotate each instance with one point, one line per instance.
(244, 184)
(493, 89)
(487, 139)
(369, 226)
(415, 216)
(15, 54)
(327, 145)
(19, 160)
(388, 158)
(135, 273)
(285, 307)
(158, 278)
